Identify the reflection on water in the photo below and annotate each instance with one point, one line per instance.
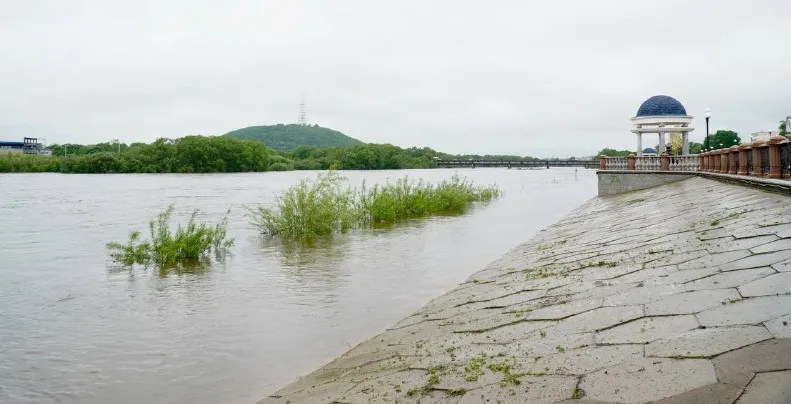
(73, 332)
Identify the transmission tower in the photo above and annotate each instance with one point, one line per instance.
(302, 117)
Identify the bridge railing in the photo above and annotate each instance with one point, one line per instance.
(762, 159)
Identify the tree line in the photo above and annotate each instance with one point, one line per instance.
(213, 154)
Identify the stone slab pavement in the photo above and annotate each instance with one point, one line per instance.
(676, 294)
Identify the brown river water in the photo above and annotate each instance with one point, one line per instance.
(74, 330)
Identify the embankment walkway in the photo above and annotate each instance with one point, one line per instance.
(675, 294)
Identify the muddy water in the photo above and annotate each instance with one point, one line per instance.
(74, 331)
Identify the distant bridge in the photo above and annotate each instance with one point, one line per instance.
(517, 164)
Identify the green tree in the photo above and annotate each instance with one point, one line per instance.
(614, 153)
(289, 137)
(695, 148)
(783, 128)
(723, 139)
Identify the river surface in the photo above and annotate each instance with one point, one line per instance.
(75, 330)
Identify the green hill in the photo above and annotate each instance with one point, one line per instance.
(287, 137)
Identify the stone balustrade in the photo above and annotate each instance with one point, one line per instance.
(663, 162)
(763, 159)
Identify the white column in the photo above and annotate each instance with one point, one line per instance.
(639, 143)
(661, 143)
(685, 147)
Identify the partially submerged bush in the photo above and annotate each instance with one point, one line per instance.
(389, 203)
(309, 209)
(327, 205)
(188, 245)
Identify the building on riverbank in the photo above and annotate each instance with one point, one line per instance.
(28, 145)
(763, 135)
(662, 115)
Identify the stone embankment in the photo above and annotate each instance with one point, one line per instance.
(676, 294)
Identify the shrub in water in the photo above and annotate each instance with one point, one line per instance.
(188, 245)
(390, 203)
(309, 209)
(327, 206)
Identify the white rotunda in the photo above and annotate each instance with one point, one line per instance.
(662, 114)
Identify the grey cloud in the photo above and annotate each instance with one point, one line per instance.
(522, 77)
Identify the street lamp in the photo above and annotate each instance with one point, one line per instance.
(707, 115)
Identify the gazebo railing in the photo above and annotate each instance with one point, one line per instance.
(761, 159)
(650, 163)
(647, 163)
(617, 163)
(690, 162)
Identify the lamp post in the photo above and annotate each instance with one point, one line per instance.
(707, 115)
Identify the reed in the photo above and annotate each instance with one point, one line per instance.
(309, 209)
(405, 199)
(188, 245)
(327, 205)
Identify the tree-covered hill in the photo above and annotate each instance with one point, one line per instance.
(289, 137)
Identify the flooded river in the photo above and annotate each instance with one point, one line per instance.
(72, 330)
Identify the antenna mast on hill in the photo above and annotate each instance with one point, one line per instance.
(302, 117)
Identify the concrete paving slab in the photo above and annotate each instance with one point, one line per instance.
(481, 321)
(676, 259)
(681, 277)
(387, 389)
(510, 333)
(754, 310)
(780, 327)
(531, 389)
(768, 388)
(719, 393)
(602, 289)
(642, 295)
(738, 367)
(321, 394)
(716, 259)
(783, 266)
(777, 284)
(647, 329)
(778, 245)
(569, 360)
(561, 311)
(730, 279)
(730, 243)
(706, 342)
(648, 379)
(599, 273)
(690, 302)
(757, 261)
(539, 346)
(516, 298)
(598, 319)
(759, 231)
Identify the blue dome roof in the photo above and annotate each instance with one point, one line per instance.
(649, 150)
(660, 105)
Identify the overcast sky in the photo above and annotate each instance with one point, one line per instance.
(543, 78)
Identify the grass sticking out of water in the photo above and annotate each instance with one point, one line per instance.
(405, 199)
(188, 245)
(327, 206)
(309, 209)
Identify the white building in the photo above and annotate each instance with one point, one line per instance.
(763, 135)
